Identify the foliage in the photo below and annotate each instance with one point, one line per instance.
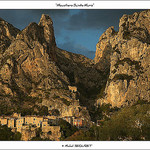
(80, 135)
(39, 139)
(130, 123)
(97, 113)
(7, 135)
(66, 102)
(43, 111)
(17, 136)
(5, 109)
(55, 112)
(66, 128)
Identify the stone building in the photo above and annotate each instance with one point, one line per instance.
(11, 123)
(3, 121)
(28, 126)
(36, 120)
(79, 122)
(19, 123)
(28, 132)
(51, 132)
(69, 119)
(72, 88)
(16, 115)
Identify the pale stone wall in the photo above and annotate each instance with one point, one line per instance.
(19, 124)
(55, 132)
(11, 123)
(3, 121)
(16, 115)
(28, 133)
(33, 120)
(72, 88)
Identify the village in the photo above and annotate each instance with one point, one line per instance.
(28, 125)
(49, 125)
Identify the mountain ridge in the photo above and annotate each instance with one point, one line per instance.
(36, 73)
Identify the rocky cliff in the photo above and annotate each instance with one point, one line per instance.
(126, 54)
(35, 73)
(28, 67)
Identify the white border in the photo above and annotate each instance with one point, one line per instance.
(58, 145)
(96, 4)
(52, 5)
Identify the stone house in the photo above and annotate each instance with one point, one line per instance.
(19, 123)
(72, 88)
(53, 122)
(69, 119)
(56, 134)
(45, 126)
(38, 121)
(16, 115)
(3, 121)
(78, 122)
(11, 123)
(28, 132)
(52, 117)
(35, 120)
(51, 132)
(28, 126)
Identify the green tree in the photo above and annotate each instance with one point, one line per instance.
(66, 128)
(7, 135)
(43, 111)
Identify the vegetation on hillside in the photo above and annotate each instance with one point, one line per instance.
(130, 123)
(66, 129)
(7, 135)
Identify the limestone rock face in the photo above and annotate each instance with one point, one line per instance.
(28, 69)
(7, 34)
(104, 49)
(47, 25)
(128, 53)
(82, 73)
(35, 73)
(29, 63)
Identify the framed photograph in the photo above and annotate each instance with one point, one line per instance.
(74, 74)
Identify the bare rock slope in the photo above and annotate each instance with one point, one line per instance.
(127, 54)
(35, 73)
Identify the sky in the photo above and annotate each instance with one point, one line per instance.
(77, 31)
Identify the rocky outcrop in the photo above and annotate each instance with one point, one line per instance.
(82, 73)
(35, 73)
(127, 53)
(28, 63)
(7, 34)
